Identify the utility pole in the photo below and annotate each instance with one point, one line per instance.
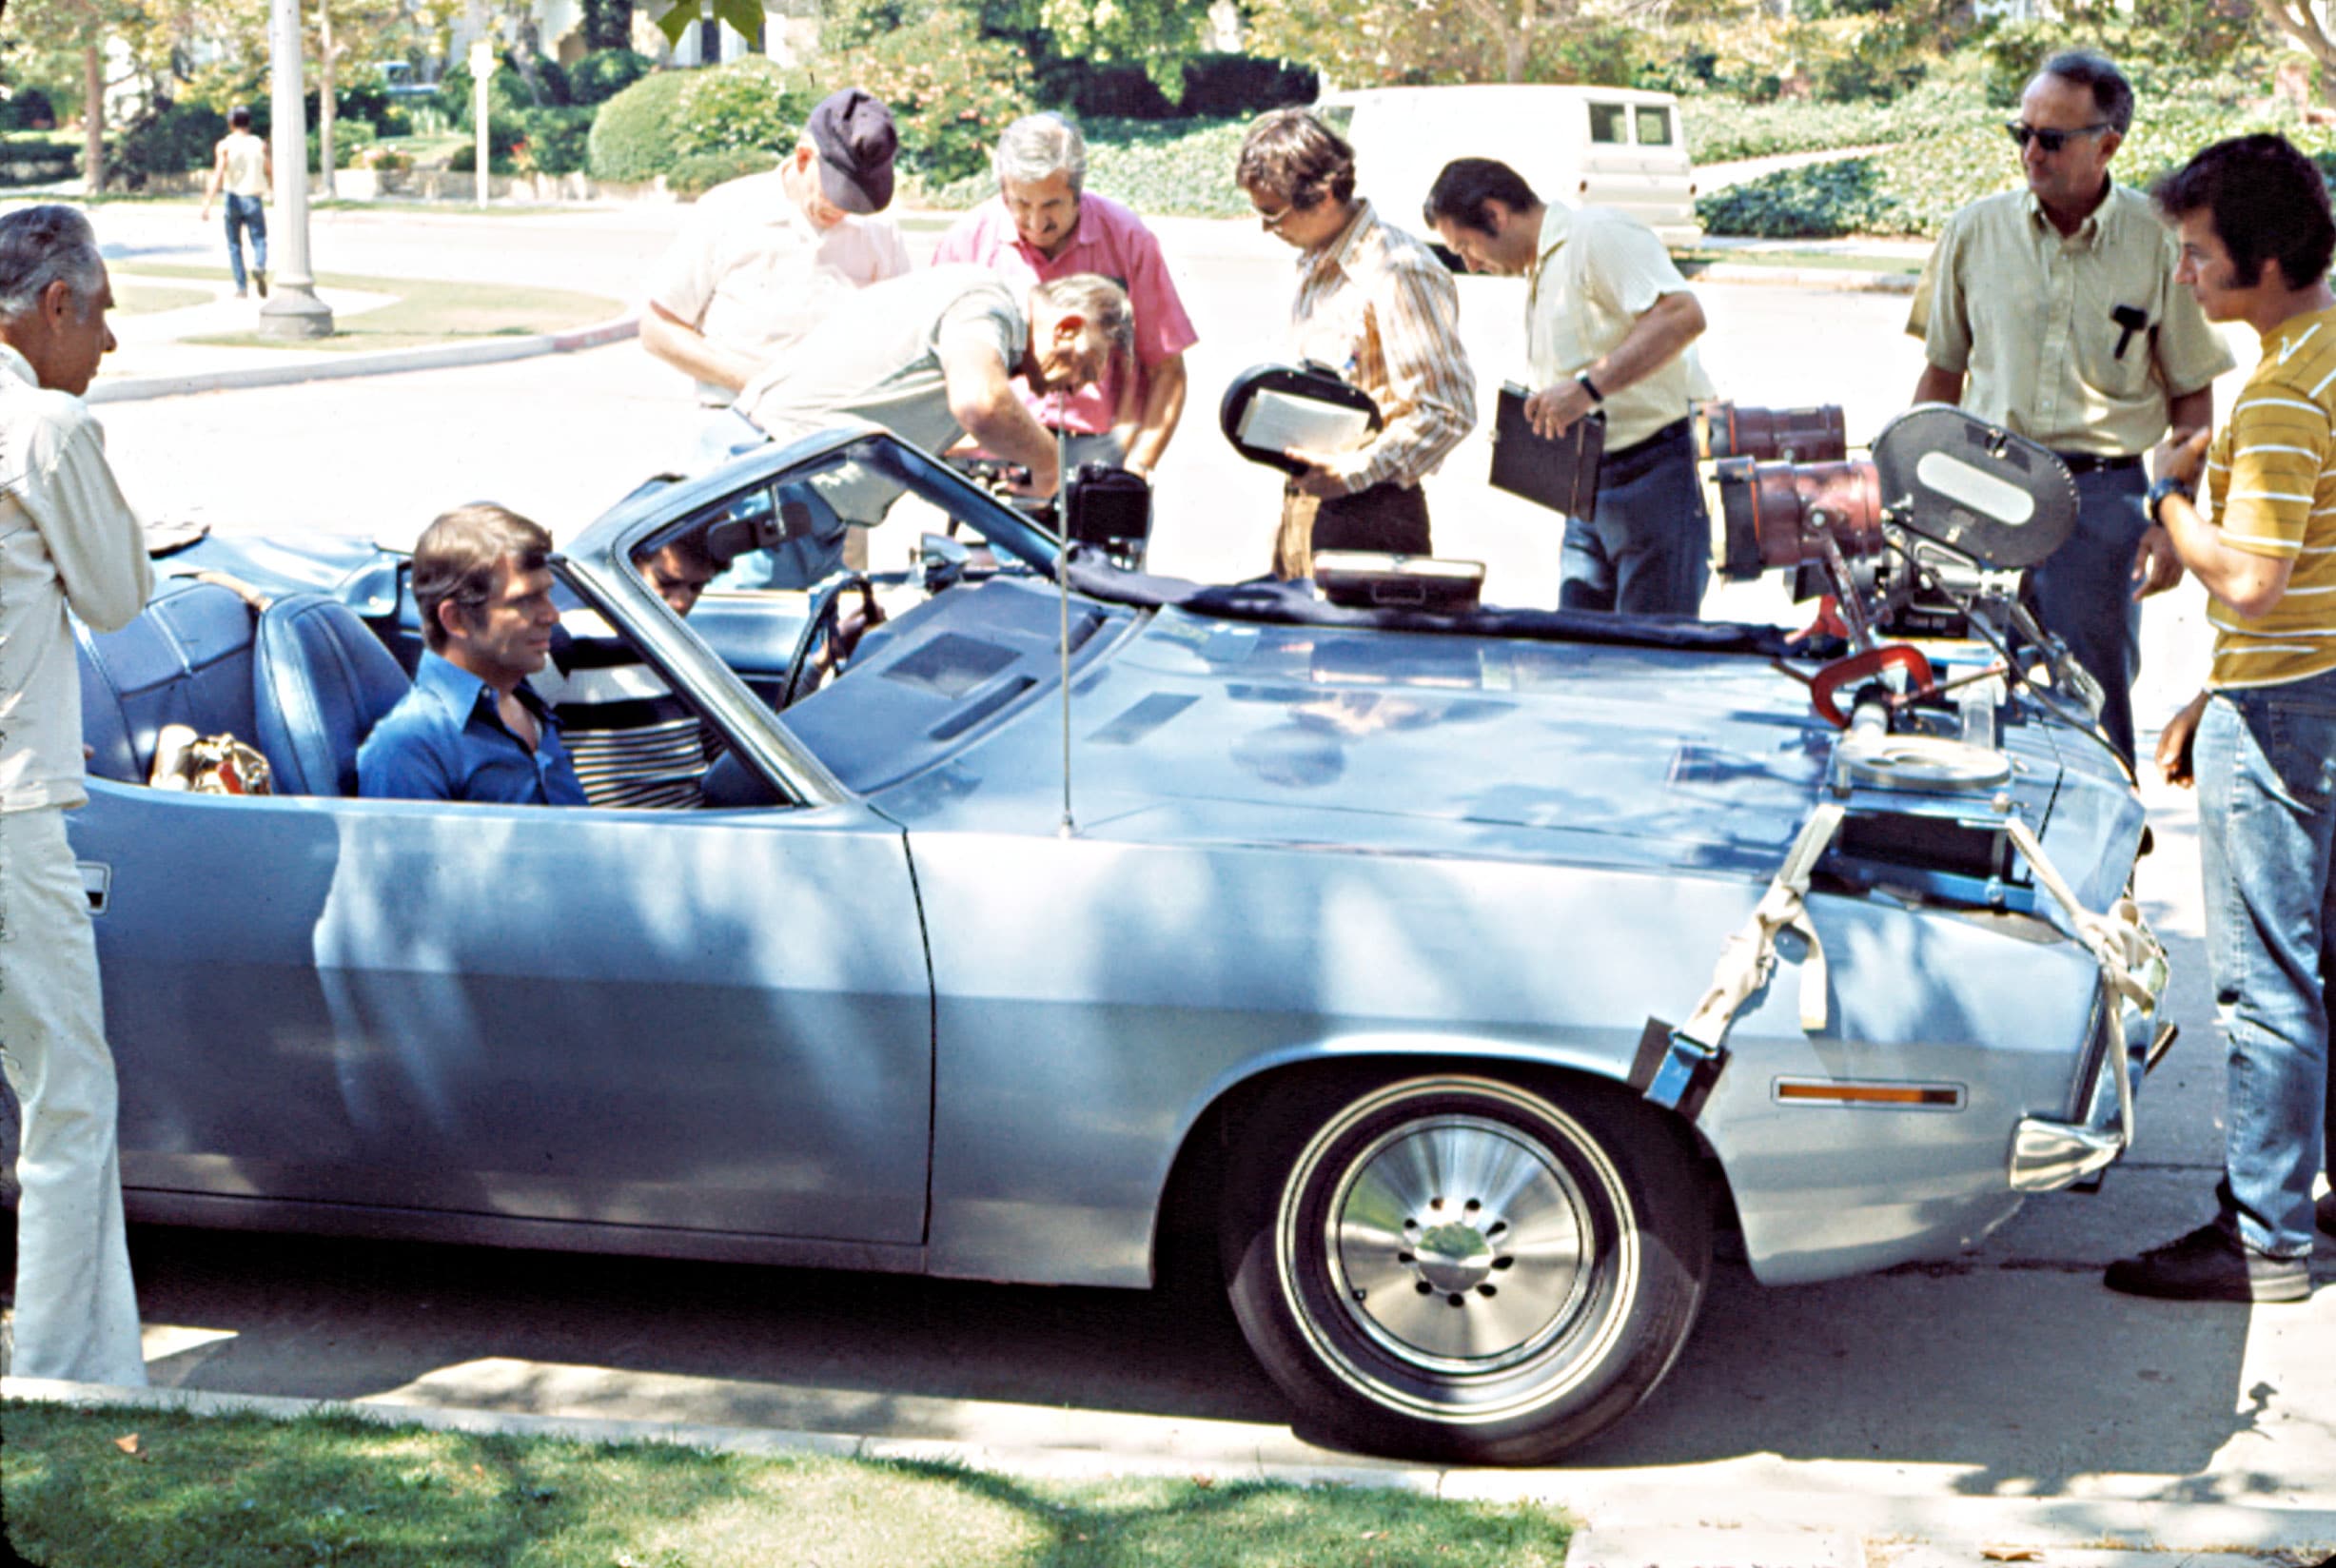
(481, 71)
(292, 309)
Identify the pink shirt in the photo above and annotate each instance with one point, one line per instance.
(1110, 239)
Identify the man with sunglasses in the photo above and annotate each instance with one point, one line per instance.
(2053, 311)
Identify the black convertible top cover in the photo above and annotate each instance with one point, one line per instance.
(1295, 603)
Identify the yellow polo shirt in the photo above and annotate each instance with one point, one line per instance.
(2027, 315)
(2271, 486)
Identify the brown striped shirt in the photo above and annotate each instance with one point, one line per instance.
(1378, 307)
(2271, 484)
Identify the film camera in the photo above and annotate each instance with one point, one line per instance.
(1927, 536)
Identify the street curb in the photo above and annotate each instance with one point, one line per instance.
(388, 363)
(2113, 1531)
(1840, 280)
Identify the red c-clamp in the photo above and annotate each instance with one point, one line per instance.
(1860, 668)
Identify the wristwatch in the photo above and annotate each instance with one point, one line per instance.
(1590, 386)
(2162, 487)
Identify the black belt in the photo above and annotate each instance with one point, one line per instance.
(2085, 463)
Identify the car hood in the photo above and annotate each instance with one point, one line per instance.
(1200, 729)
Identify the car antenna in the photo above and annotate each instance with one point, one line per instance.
(1069, 828)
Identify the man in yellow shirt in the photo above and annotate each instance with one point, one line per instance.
(2053, 311)
(2256, 235)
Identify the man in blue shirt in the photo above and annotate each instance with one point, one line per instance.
(472, 729)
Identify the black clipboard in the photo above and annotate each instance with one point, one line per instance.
(1561, 474)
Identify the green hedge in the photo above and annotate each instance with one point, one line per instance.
(633, 137)
(1913, 187)
(1182, 167)
(603, 73)
(1720, 129)
(685, 123)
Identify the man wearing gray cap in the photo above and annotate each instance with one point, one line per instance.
(764, 259)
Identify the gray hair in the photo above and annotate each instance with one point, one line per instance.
(1098, 299)
(1038, 145)
(43, 245)
(2112, 95)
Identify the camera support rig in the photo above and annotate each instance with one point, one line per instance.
(1929, 538)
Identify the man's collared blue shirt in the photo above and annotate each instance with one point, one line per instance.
(444, 740)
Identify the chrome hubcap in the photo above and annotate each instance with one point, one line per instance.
(1460, 1245)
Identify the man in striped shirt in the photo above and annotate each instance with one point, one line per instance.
(633, 741)
(1376, 305)
(2256, 235)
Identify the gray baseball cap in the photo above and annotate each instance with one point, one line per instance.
(852, 132)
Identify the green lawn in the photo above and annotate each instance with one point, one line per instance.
(143, 1488)
(1693, 261)
(149, 299)
(424, 311)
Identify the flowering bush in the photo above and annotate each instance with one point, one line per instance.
(951, 91)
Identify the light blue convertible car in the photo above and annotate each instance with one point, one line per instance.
(1458, 976)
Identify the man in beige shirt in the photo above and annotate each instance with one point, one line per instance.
(765, 259)
(1610, 327)
(67, 539)
(2053, 312)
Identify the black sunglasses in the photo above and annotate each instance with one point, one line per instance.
(2051, 141)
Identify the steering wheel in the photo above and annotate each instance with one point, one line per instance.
(826, 629)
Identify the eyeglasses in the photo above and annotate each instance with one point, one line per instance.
(2051, 141)
(1273, 220)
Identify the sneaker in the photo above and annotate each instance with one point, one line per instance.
(260, 278)
(2210, 1266)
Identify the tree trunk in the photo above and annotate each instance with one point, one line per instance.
(93, 114)
(326, 108)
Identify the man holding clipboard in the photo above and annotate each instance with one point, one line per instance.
(1608, 325)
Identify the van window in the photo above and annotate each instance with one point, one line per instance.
(1609, 122)
(1339, 117)
(1654, 127)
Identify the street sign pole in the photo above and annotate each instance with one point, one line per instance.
(482, 70)
(292, 309)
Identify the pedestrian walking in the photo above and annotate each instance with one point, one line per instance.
(243, 169)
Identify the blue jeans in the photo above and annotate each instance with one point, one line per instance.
(2084, 591)
(1646, 549)
(245, 212)
(2266, 764)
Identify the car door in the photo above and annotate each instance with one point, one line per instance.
(711, 1021)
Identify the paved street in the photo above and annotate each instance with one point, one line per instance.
(2003, 1397)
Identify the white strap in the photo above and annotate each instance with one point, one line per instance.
(1749, 955)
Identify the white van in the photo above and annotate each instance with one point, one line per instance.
(1586, 146)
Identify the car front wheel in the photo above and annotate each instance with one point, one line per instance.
(1464, 1268)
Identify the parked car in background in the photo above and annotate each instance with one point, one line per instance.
(1602, 146)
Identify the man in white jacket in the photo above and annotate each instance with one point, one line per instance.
(67, 537)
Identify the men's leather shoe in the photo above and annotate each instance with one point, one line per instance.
(2210, 1266)
(260, 278)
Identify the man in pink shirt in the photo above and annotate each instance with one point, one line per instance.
(1043, 226)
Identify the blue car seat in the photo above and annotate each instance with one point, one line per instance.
(321, 680)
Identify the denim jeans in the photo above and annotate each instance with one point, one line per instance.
(1646, 548)
(2266, 764)
(245, 212)
(2084, 591)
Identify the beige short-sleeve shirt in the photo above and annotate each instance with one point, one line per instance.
(1597, 272)
(750, 272)
(2029, 315)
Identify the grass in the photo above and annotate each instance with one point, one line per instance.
(425, 311)
(143, 1488)
(1692, 262)
(152, 299)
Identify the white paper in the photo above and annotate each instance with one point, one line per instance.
(1276, 422)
